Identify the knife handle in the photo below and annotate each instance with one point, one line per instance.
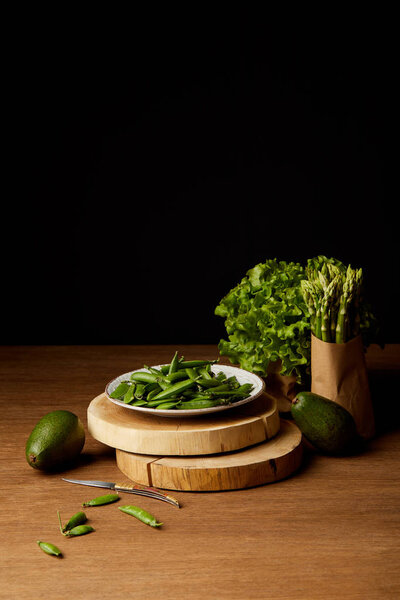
(126, 486)
(148, 491)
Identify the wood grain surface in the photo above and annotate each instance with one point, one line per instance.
(224, 431)
(331, 531)
(267, 462)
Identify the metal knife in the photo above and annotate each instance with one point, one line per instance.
(134, 488)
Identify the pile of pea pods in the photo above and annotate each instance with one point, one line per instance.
(180, 385)
(76, 526)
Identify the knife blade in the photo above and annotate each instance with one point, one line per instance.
(134, 488)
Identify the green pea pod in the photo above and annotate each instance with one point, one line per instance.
(128, 397)
(100, 500)
(199, 403)
(49, 548)
(208, 383)
(153, 393)
(205, 372)
(139, 403)
(79, 530)
(120, 391)
(233, 382)
(190, 372)
(221, 387)
(155, 403)
(166, 405)
(144, 377)
(77, 519)
(175, 376)
(195, 363)
(173, 364)
(140, 514)
(174, 389)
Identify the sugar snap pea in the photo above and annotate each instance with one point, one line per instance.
(173, 364)
(49, 548)
(176, 376)
(207, 383)
(78, 518)
(120, 390)
(155, 403)
(140, 391)
(79, 530)
(153, 393)
(184, 364)
(175, 388)
(205, 372)
(100, 500)
(199, 403)
(168, 385)
(144, 377)
(167, 405)
(140, 514)
(128, 397)
(190, 372)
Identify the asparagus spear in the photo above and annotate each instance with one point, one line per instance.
(332, 294)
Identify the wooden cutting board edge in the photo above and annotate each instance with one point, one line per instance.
(132, 432)
(267, 462)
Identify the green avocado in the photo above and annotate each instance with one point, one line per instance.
(325, 424)
(57, 439)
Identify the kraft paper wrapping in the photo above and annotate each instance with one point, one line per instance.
(339, 373)
(282, 387)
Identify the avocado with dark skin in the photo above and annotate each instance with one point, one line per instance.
(328, 426)
(57, 439)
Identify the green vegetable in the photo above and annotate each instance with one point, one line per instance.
(49, 548)
(144, 377)
(334, 297)
(185, 364)
(173, 389)
(326, 424)
(174, 364)
(78, 518)
(120, 390)
(141, 514)
(100, 500)
(128, 397)
(270, 314)
(56, 440)
(167, 405)
(167, 386)
(79, 530)
(196, 403)
(267, 320)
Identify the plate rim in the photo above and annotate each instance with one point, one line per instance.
(187, 413)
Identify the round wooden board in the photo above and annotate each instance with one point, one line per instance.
(267, 462)
(225, 431)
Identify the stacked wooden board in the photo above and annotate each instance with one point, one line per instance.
(238, 448)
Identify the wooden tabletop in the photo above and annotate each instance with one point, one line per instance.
(330, 531)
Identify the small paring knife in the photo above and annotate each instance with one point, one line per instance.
(135, 488)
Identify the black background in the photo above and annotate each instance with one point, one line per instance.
(151, 167)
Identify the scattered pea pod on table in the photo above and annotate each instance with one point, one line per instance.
(181, 385)
(78, 518)
(75, 525)
(140, 514)
(101, 500)
(49, 548)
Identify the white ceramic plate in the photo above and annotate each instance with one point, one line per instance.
(241, 375)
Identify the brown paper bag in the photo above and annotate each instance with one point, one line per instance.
(339, 373)
(282, 387)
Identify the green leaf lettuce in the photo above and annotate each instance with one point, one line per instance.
(267, 320)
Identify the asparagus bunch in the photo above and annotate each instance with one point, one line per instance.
(332, 294)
